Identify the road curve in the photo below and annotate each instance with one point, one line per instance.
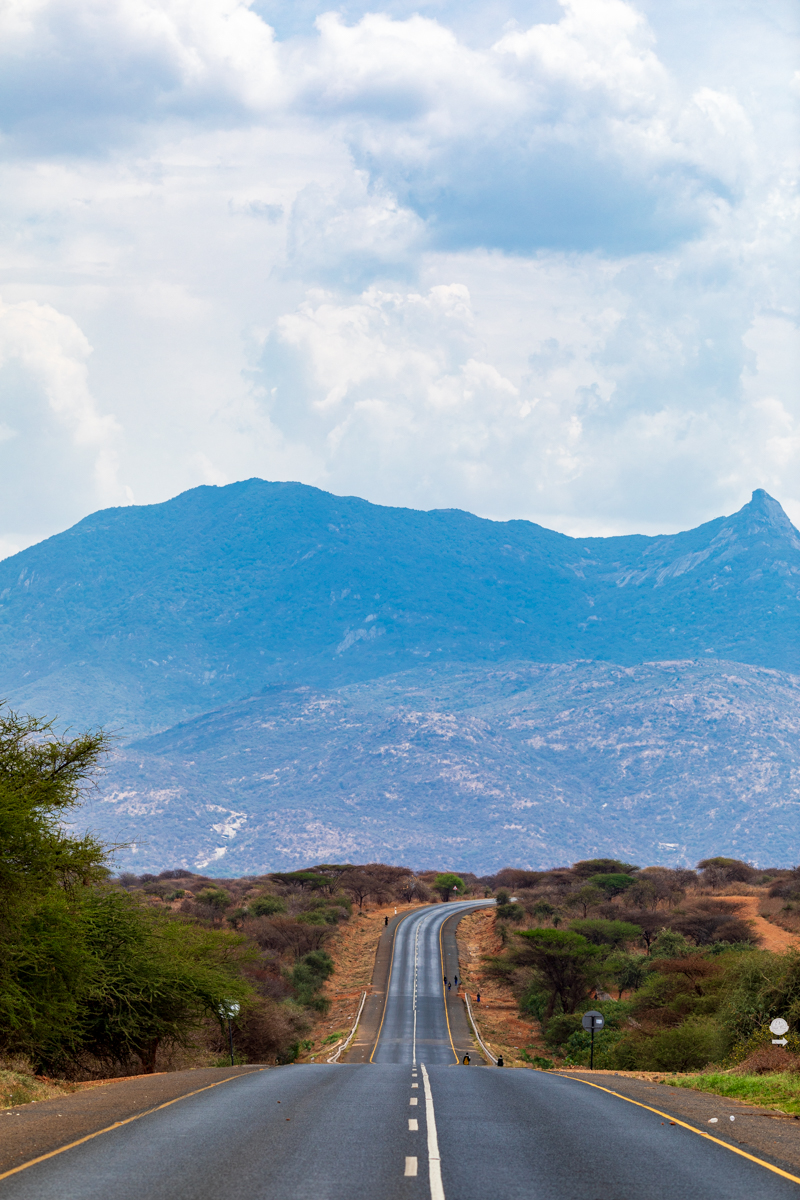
(416, 1025)
(411, 1125)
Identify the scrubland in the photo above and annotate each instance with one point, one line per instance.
(688, 969)
(104, 976)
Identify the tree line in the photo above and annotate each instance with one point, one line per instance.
(678, 973)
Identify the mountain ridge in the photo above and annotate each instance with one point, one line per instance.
(473, 765)
(141, 617)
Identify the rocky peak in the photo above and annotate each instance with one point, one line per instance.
(764, 517)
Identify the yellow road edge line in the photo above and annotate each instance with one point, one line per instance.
(118, 1124)
(444, 990)
(691, 1128)
(389, 981)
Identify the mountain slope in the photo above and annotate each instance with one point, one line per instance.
(141, 617)
(471, 766)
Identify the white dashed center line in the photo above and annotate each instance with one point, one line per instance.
(413, 1100)
(434, 1161)
(415, 1085)
(411, 1166)
(413, 1124)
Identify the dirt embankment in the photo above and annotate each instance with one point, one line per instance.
(352, 949)
(497, 1015)
(772, 936)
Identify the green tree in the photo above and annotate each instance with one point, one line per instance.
(43, 870)
(628, 971)
(154, 977)
(614, 934)
(308, 976)
(84, 966)
(612, 884)
(585, 898)
(447, 884)
(565, 963)
(602, 866)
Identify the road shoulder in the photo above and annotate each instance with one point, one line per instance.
(371, 1017)
(758, 1131)
(34, 1129)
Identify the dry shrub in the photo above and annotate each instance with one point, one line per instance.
(263, 1033)
(282, 935)
(768, 1059)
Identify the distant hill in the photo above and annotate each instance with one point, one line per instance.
(142, 617)
(473, 766)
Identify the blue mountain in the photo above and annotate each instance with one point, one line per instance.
(295, 676)
(141, 617)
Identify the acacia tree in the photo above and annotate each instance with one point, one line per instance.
(447, 884)
(83, 966)
(566, 965)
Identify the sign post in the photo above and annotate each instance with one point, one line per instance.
(228, 1010)
(779, 1026)
(591, 1021)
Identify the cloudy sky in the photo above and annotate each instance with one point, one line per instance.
(530, 259)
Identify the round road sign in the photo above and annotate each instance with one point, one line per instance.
(593, 1020)
(779, 1026)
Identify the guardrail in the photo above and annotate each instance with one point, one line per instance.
(335, 1057)
(476, 1031)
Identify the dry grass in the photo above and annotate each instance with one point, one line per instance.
(20, 1087)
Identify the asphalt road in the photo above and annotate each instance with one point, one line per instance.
(416, 1024)
(428, 1129)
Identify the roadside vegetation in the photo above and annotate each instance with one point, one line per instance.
(104, 976)
(678, 972)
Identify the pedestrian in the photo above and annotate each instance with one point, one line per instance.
(455, 980)
(478, 998)
(448, 987)
(500, 1062)
(466, 1060)
(445, 980)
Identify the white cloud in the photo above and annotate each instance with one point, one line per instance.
(47, 351)
(543, 269)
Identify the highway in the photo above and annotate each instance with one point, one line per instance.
(411, 1124)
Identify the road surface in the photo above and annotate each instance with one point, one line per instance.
(412, 1124)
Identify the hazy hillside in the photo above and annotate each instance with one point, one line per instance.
(472, 766)
(141, 617)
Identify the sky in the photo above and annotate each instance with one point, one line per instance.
(531, 259)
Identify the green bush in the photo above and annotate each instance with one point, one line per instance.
(266, 906)
(214, 897)
(688, 1047)
(670, 944)
(536, 1060)
(308, 976)
(560, 1029)
(511, 912)
(615, 934)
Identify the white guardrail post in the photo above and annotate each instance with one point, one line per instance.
(473, 1022)
(335, 1057)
